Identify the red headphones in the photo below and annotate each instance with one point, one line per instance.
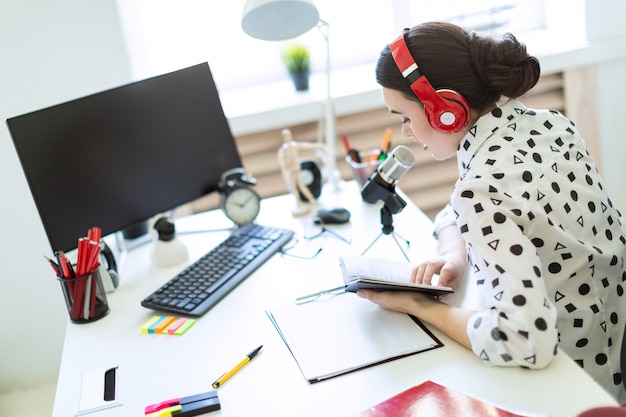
(446, 110)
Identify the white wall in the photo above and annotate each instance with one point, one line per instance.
(611, 91)
(606, 18)
(50, 52)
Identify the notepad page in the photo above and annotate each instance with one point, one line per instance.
(376, 268)
(338, 334)
(361, 266)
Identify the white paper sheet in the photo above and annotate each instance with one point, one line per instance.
(337, 334)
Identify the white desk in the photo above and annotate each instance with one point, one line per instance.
(158, 367)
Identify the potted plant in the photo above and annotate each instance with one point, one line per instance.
(297, 60)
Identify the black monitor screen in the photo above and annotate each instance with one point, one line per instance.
(119, 157)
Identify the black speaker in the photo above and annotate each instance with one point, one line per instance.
(311, 177)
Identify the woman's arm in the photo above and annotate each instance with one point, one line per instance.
(450, 320)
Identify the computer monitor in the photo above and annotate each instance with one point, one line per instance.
(119, 157)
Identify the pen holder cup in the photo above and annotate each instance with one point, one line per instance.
(361, 171)
(85, 297)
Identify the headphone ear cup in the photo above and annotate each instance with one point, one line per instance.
(450, 114)
(446, 110)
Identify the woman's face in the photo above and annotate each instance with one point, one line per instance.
(415, 124)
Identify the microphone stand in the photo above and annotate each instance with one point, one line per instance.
(394, 204)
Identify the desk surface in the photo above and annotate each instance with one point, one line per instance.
(158, 367)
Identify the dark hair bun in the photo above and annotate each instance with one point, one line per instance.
(503, 64)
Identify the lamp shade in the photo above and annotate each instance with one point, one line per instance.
(275, 20)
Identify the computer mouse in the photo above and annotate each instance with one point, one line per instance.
(338, 215)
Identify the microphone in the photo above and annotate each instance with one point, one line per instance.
(393, 168)
(381, 184)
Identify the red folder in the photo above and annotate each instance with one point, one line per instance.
(433, 400)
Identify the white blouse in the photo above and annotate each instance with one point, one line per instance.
(545, 244)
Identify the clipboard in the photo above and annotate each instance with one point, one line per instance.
(343, 333)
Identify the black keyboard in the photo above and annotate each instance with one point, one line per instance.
(205, 282)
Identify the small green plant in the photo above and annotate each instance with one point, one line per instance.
(296, 58)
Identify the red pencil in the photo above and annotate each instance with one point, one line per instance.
(354, 154)
(54, 266)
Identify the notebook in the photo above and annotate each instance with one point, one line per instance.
(343, 333)
(382, 274)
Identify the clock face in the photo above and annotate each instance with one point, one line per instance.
(241, 205)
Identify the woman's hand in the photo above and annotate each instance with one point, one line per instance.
(450, 264)
(451, 270)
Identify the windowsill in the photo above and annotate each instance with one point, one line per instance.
(277, 105)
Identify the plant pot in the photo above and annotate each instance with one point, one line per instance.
(300, 80)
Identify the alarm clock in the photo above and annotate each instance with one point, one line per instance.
(239, 202)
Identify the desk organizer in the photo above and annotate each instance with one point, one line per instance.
(85, 297)
(365, 167)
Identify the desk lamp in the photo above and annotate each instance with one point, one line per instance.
(275, 20)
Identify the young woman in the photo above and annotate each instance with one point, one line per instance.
(529, 213)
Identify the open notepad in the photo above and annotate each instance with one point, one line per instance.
(382, 274)
(338, 334)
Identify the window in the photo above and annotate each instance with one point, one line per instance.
(165, 35)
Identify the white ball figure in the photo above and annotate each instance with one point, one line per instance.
(289, 161)
(167, 249)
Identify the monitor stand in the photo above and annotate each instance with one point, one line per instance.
(128, 239)
(135, 231)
